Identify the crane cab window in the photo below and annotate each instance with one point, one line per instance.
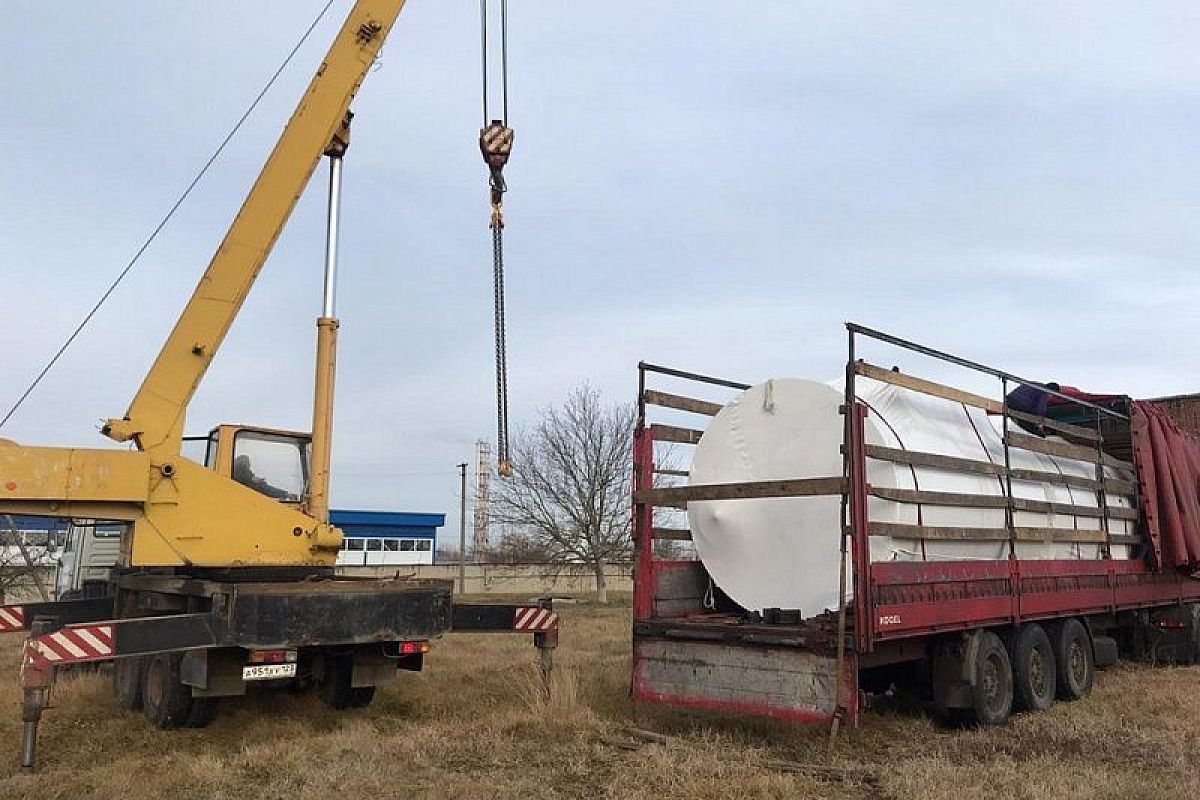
(272, 464)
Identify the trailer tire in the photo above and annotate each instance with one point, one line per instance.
(336, 689)
(1075, 662)
(993, 684)
(1033, 665)
(166, 700)
(127, 682)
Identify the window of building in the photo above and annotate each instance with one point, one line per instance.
(424, 545)
(353, 544)
(391, 545)
(408, 545)
(374, 545)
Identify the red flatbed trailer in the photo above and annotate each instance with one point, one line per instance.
(964, 627)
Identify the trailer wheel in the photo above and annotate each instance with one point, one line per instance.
(1034, 678)
(127, 682)
(1076, 663)
(335, 688)
(166, 701)
(993, 695)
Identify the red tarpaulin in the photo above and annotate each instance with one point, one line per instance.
(1168, 469)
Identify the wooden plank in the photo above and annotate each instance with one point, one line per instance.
(898, 530)
(969, 398)
(1125, 538)
(678, 473)
(1077, 431)
(673, 534)
(1036, 444)
(681, 403)
(671, 433)
(1042, 476)
(1115, 486)
(957, 499)
(679, 496)
(918, 458)
(1022, 534)
(928, 387)
(962, 500)
(1058, 535)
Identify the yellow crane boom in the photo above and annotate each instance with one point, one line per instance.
(182, 513)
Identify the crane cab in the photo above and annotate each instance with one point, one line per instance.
(276, 463)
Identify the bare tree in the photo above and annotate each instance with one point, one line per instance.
(520, 548)
(570, 494)
(23, 564)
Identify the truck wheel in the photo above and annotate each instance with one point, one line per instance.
(993, 695)
(203, 712)
(335, 688)
(166, 701)
(127, 682)
(1034, 680)
(1075, 661)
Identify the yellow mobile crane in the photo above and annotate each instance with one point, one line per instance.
(226, 576)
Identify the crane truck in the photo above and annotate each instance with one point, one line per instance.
(225, 573)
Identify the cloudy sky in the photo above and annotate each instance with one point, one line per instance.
(712, 185)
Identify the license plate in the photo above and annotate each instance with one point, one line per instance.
(266, 672)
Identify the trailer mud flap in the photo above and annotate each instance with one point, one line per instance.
(781, 683)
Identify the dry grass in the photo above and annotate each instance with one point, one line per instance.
(474, 725)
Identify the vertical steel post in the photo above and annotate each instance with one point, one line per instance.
(462, 528)
(36, 683)
(1009, 513)
(546, 642)
(844, 520)
(1101, 491)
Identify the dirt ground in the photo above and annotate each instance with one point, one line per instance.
(474, 725)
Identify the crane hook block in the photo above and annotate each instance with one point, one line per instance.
(496, 144)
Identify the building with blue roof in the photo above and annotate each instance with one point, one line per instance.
(382, 538)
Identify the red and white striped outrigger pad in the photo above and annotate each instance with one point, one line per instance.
(70, 645)
(534, 618)
(12, 618)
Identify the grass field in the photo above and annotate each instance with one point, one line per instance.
(474, 725)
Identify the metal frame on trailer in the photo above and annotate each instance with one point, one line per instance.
(898, 607)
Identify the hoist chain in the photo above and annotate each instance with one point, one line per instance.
(495, 143)
(504, 464)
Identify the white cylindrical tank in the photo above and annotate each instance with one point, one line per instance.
(783, 552)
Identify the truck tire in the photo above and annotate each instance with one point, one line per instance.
(203, 712)
(993, 695)
(335, 688)
(1034, 678)
(127, 682)
(166, 701)
(1074, 660)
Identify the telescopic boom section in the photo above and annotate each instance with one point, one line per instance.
(156, 415)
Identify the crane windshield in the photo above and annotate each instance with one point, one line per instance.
(274, 464)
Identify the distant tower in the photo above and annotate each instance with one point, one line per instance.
(483, 495)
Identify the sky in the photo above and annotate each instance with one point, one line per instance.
(715, 186)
